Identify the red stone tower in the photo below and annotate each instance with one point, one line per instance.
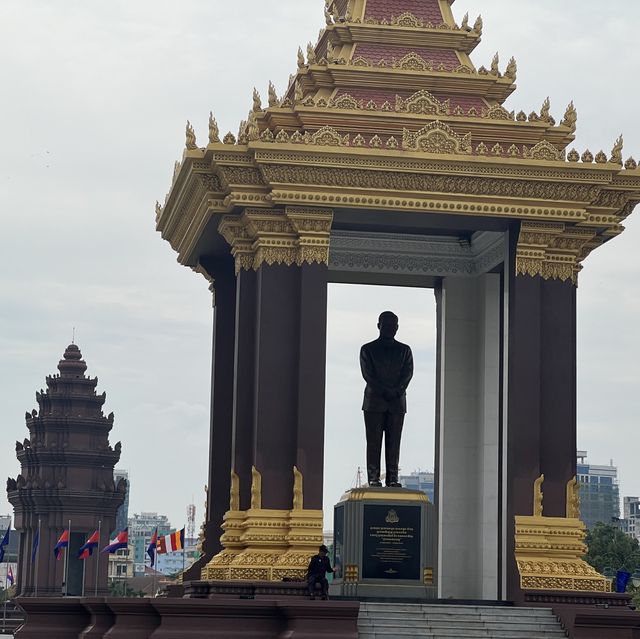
(67, 475)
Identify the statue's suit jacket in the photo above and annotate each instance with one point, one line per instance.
(387, 366)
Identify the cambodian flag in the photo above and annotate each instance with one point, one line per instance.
(63, 542)
(151, 550)
(4, 542)
(121, 541)
(91, 544)
(10, 577)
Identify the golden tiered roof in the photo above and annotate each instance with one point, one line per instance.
(387, 112)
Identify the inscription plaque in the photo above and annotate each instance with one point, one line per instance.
(391, 542)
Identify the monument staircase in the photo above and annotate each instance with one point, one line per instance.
(444, 621)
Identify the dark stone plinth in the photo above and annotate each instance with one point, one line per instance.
(134, 619)
(52, 618)
(101, 618)
(219, 616)
(244, 589)
(318, 619)
(385, 545)
(590, 615)
(226, 619)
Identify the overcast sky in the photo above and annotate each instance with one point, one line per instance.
(95, 98)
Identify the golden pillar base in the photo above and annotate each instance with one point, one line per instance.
(271, 545)
(549, 553)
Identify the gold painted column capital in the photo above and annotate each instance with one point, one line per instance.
(553, 250)
(291, 236)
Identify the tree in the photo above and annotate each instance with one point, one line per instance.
(610, 548)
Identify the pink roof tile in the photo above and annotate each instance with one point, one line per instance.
(427, 10)
(376, 52)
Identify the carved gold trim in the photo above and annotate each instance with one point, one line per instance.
(291, 236)
(553, 250)
(266, 544)
(573, 499)
(373, 494)
(549, 550)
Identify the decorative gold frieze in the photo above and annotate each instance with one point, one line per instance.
(265, 544)
(549, 550)
(436, 137)
(552, 250)
(291, 236)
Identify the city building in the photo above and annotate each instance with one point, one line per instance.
(122, 515)
(10, 551)
(420, 480)
(631, 521)
(141, 528)
(173, 563)
(599, 492)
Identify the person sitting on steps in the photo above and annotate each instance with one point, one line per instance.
(319, 566)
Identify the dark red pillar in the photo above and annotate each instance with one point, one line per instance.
(222, 270)
(280, 381)
(542, 401)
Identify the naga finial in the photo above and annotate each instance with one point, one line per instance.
(327, 13)
(511, 71)
(570, 117)
(477, 27)
(298, 492)
(573, 499)
(257, 101)
(191, 143)
(495, 64)
(545, 112)
(298, 92)
(214, 131)
(234, 492)
(465, 22)
(301, 61)
(273, 96)
(616, 152)
(537, 497)
(256, 489)
(311, 54)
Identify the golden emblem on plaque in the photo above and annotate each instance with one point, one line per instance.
(392, 517)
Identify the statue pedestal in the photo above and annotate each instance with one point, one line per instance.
(385, 544)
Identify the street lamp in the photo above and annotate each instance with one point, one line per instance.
(635, 579)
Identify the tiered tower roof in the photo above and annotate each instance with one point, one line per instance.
(384, 111)
(67, 462)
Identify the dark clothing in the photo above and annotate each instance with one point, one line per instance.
(387, 367)
(317, 571)
(390, 425)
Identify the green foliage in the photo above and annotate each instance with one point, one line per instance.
(8, 594)
(122, 589)
(610, 548)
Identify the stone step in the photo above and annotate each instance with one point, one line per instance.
(458, 609)
(454, 632)
(459, 623)
(439, 621)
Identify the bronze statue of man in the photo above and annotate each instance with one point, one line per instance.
(387, 367)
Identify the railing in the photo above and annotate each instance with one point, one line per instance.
(11, 618)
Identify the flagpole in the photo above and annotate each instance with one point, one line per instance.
(84, 572)
(6, 596)
(154, 563)
(98, 557)
(66, 561)
(38, 554)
